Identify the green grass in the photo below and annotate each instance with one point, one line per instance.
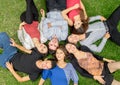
(10, 11)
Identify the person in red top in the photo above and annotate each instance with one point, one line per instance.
(29, 19)
(75, 13)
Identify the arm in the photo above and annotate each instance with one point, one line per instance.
(99, 79)
(14, 44)
(21, 25)
(82, 6)
(92, 38)
(95, 18)
(64, 13)
(61, 32)
(41, 81)
(18, 77)
(58, 23)
(25, 39)
(74, 75)
(108, 60)
(48, 33)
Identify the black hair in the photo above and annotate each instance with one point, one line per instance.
(53, 62)
(51, 51)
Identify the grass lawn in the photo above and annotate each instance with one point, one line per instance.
(10, 11)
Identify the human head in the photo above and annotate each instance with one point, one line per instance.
(61, 53)
(77, 23)
(81, 23)
(48, 64)
(53, 44)
(71, 48)
(73, 38)
(42, 48)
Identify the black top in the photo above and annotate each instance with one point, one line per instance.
(27, 63)
(74, 62)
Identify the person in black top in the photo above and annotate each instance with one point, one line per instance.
(93, 66)
(30, 62)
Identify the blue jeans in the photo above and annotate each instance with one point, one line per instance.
(8, 51)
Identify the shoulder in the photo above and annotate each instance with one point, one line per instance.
(69, 65)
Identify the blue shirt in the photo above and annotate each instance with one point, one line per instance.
(59, 26)
(8, 50)
(61, 76)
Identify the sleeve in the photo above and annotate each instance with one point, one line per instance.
(58, 23)
(86, 49)
(34, 76)
(40, 28)
(79, 69)
(20, 35)
(91, 39)
(62, 31)
(46, 74)
(25, 39)
(96, 48)
(48, 33)
(74, 75)
(94, 18)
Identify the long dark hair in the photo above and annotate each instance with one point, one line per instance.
(84, 25)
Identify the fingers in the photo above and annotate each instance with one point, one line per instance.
(7, 64)
(41, 11)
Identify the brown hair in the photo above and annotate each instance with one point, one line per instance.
(62, 47)
(84, 25)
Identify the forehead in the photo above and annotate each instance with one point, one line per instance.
(59, 50)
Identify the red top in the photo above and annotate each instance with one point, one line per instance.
(74, 12)
(32, 29)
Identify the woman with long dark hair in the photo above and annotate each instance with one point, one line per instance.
(99, 28)
(76, 15)
(93, 66)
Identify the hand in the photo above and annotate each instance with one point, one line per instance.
(76, 6)
(107, 35)
(13, 43)
(9, 66)
(42, 12)
(103, 18)
(99, 79)
(108, 60)
(49, 25)
(21, 25)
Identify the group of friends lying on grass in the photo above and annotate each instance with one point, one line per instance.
(62, 16)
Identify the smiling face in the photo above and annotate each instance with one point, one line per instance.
(73, 38)
(46, 64)
(77, 24)
(71, 48)
(60, 55)
(42, 48)
(53, 44)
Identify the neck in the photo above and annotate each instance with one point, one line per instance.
(82, 36)
(61, 64)
(61, 61)
(77, 17)
(77, 54)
